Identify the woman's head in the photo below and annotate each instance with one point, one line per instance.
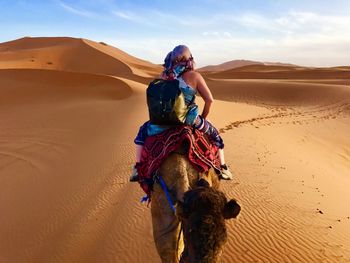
(179, 56)
(181, 53)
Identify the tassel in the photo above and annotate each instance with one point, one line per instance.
(147, 199)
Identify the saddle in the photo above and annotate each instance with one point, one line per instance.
(180, 139)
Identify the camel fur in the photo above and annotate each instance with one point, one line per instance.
(180, 177)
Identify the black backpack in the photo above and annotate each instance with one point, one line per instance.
(166, 102)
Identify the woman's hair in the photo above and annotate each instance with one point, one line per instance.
(178, 57)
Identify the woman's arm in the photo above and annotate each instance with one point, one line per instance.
(205, 93)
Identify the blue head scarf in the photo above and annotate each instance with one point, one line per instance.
(175, 64)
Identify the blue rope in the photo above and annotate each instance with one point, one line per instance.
(162, 183)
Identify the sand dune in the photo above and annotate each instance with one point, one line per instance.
(281, 72)
(238, 64)
(19, 86)
(228, 65)
(66, 153)
(138, 66)
(72, 54)
(279, 92)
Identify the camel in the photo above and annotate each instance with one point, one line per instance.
(202, 211)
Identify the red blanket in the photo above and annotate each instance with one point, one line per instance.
(201, 154)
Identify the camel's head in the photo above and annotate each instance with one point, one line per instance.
(203, 215)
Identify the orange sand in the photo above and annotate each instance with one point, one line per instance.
(70, 108)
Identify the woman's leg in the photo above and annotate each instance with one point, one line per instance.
(205, 126)
(222, 156)
(139, 149)
(139, 141)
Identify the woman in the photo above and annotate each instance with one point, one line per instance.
(179, 65)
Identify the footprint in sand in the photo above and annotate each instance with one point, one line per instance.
(319, 211)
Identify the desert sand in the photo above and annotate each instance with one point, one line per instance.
(69, 111)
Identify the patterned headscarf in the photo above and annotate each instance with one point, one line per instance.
(175, 63)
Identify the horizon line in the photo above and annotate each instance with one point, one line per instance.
(207, 65)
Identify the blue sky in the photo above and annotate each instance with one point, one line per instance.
(308, 32)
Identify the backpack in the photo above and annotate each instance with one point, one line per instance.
(166, 102)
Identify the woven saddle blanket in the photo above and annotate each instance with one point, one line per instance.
(201, 153)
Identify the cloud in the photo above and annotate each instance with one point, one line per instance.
(123, 15)
(296, 22)
(134, 17)
(227, 34)
(299, 37)
(76, 11)
(208, 49)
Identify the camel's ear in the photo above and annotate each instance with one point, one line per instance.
(231, 209)
(202, 182)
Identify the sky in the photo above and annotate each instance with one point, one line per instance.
(302, 32)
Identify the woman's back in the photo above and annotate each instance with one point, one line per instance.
(190, 77)
(197, 82)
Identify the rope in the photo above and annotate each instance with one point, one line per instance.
(165, 189)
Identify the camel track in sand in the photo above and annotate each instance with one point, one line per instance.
(302, 115)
